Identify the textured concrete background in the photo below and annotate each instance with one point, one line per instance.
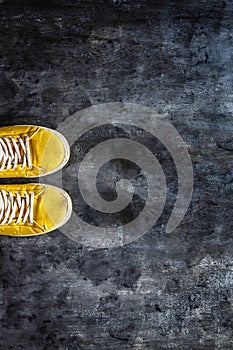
(163, 291)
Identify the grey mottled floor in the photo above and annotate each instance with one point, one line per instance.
(164, 291)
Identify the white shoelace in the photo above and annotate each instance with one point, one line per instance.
(16, 207)
(14, 152)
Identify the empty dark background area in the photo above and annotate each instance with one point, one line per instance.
(164, 291)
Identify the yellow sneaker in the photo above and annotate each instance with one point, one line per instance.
(32, 209)
(31, 151)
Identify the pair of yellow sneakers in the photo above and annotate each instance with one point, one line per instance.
(28, 151)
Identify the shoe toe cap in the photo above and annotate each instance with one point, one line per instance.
(58, 207)
(55, 153)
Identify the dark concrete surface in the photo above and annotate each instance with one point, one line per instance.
(164, 291)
